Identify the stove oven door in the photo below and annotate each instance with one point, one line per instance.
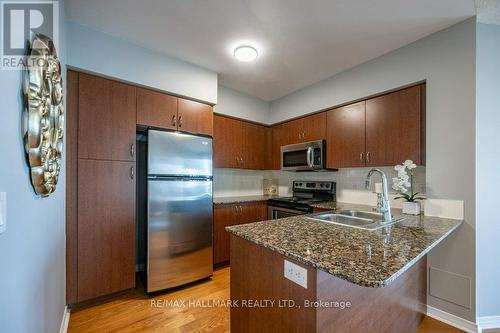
(274, 213)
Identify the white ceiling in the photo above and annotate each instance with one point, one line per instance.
(300, 41)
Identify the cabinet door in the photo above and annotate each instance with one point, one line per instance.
(313, 127)
(254, 146)
(393, 128)
(295, 131)
(257, 212)
(228, 142)
(249, 212)
(345, 138)
(156, 109)
(106, 119)
(269, 157)
(195, 117)
(224, 216)
(283, 134)
(106, 227)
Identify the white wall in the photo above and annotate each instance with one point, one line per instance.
(487, 162)
(237, 104)
(98, 52)
(350, 183)
(32, 249)
(446, 60)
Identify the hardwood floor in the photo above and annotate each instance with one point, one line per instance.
(136, 312)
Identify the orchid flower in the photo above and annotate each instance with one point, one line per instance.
(403, 183)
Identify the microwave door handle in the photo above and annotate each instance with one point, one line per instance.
(310, 152)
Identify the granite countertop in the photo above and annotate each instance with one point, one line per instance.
(367, 258)
(325, 205)
(241, 199)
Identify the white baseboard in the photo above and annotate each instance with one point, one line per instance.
(452, 320)
(488, 323)
(65, 321)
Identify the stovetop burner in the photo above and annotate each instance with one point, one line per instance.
(300, 200)
(306, 193)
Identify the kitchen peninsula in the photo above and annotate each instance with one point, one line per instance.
(344, 279)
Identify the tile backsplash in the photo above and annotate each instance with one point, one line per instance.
(350, 182)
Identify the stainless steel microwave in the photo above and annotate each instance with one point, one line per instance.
(304, 156)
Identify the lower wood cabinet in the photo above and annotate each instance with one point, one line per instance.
(232, 214)
(106, 227)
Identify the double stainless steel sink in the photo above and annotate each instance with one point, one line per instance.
(356, 219)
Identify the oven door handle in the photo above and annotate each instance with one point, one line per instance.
(310, 158)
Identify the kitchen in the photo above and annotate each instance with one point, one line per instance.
(263, 170)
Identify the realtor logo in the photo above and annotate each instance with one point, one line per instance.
(20, 20)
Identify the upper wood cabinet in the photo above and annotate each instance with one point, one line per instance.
(239, 144)
(156, 109)
(393, 128)
(253, 150)
(195, 117)
(227, 142)
(346, 136)
(309, 128)
(381, 131)
(106, 119)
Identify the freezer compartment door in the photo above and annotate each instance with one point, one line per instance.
(179, 232)
(178, 154)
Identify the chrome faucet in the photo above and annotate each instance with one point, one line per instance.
(386, 206)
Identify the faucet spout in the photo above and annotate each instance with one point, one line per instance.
(386, 206)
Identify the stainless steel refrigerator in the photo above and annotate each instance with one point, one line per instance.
(180, 210)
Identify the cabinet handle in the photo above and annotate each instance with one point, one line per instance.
(368, 157)
(361, 156)
(241, 209)
(132, 150)
(180, 121)
(132, 173)
(303, 135)
(174, 120)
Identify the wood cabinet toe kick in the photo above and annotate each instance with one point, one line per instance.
(266, 301)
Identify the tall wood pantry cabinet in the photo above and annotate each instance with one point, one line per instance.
(101, 186)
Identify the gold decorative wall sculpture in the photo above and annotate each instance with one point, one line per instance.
(43, 114)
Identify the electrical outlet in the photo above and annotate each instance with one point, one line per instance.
(296, 273)
(3, 212)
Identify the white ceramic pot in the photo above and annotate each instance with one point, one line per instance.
(412, 208)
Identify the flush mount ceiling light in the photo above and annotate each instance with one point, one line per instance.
(245, 53)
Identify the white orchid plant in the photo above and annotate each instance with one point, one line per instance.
(403, 183)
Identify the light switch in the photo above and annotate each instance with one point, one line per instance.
(3, 212)
(296, 273)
